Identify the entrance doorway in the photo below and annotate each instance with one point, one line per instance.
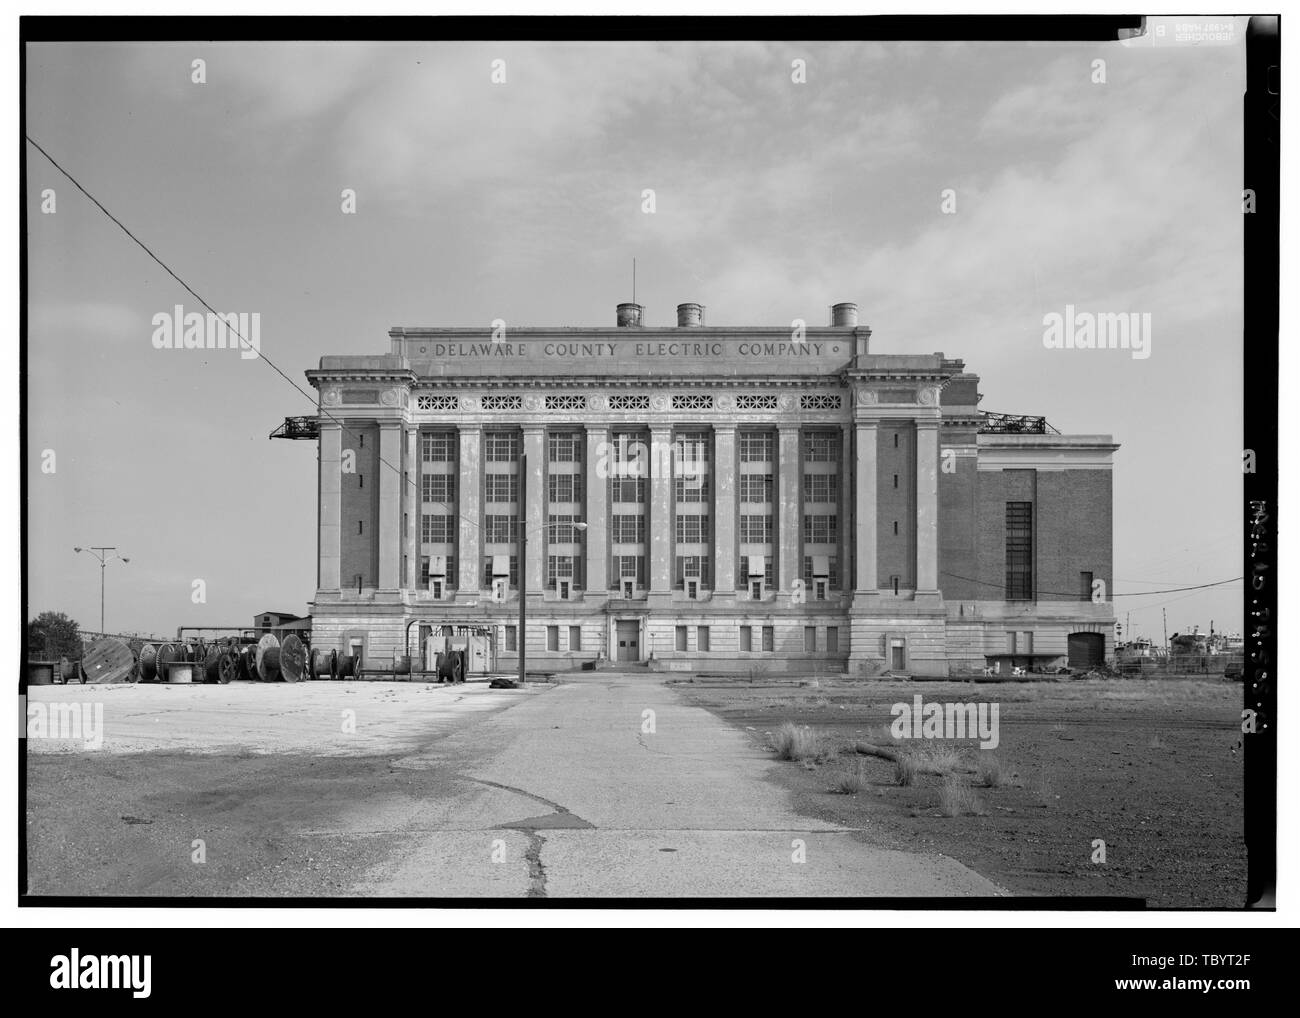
(899, 657)
(1086, 650)
(627, 635)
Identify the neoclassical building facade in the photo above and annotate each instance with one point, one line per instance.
(713, 499)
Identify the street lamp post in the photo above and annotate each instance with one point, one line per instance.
(523, 562)
(100, 553)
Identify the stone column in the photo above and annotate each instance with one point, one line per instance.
(390, 506)
(790, 518)
(330, 537)
(661, 528)
(534, 513)
(724, 467)
(864, 508)
(927, 506)
(848, 518)
(596, 493)
(411, 508)
(469, 527)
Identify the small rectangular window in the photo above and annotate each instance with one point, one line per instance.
(895, 480)
(552, 637)
(810, 638)
(512, 638)
(895, 527)
(361, 480)
(832, 639)
(746, 639)
(361, 526)
(702, 638)
(681, 637)
(769, 638)
(575, 638)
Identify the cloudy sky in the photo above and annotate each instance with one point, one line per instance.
(522, 201)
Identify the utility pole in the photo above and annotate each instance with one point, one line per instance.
(99, 553)
(1164, 618)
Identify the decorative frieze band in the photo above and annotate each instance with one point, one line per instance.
(629, 402)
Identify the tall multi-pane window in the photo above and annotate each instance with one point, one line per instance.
(756, 528)
(438, 487)
(501, 446)
(438, 447)
(627, 528)
(756, 497)
(692, 529)
(564, 487)
(821, 492)
(1020, 551)
(692, 567)
(562, 530)
(755, 446)
(821, 447)
(756, 487)
(500, 529)
(501, 487)
(565, 446)
(627, 489)
(437, 528)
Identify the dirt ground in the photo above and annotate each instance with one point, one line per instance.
(1152, 768)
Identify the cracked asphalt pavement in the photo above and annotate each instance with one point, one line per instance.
(670, 803)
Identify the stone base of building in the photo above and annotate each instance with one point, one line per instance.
(875, 635)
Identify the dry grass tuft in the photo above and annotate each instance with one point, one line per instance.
(801, 743)
(988, 770)
(957, 798)
(852, 778)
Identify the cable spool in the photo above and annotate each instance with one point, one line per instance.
(220, 665)
(107, 660)
(346, 666)
(148, 663)
(248, 662)
(167, 653)
(322, 664)
(268, 658)
(293, 659)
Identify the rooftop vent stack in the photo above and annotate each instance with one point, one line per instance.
(690, 316)
(844, 315)
(629, 316)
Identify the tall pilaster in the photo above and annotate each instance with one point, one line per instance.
(790, 503)
(927, 506)
(469, 486)
(864, 509)
(330, 547)
(661, 527)
(533, 514)
(390, 505)
(724, 467)
(411, 507)
(596, 492)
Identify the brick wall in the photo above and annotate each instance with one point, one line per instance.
(896, 553)
(360, 503)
